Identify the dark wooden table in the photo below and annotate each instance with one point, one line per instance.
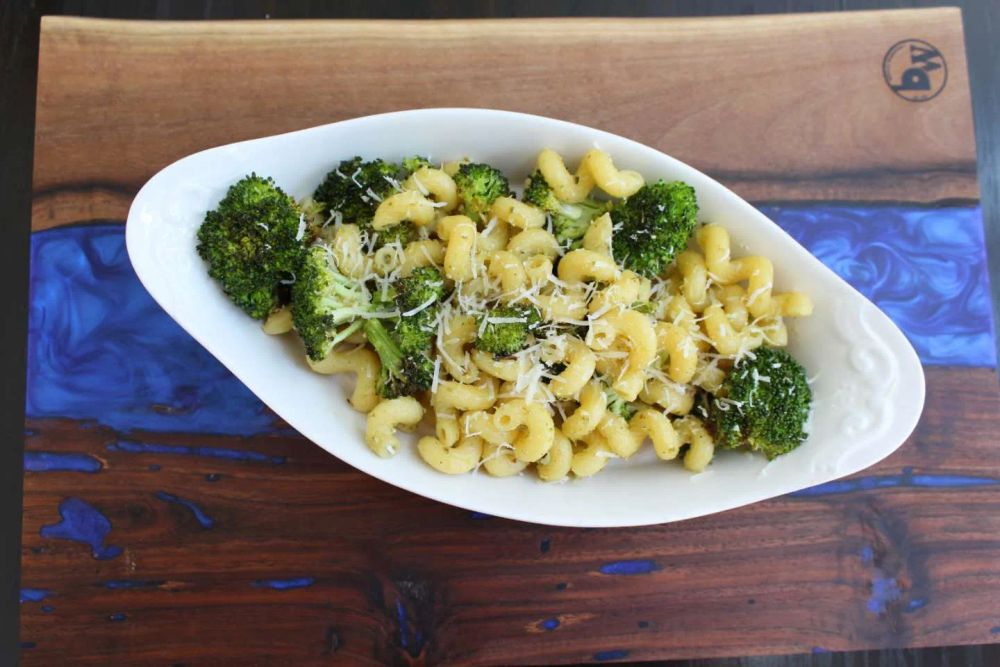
(156, 511)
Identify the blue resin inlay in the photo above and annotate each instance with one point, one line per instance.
(99, 348)
(410, 638)
(199, 514)
(550, 624)
(285, 584)
(81, 522)
(885, 591)
(480, 516)
(906, 479)
(186, 450)
(116, 584)
(925, 267)
(401, 618)
(117, 617)
(34, 594)
(47, 609)
(616, 654)
(60, 462)
(630, 567)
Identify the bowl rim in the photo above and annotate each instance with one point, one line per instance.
(770, 490)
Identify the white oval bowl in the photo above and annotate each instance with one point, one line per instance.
(868, 386)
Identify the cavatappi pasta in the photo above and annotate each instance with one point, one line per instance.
(614, 358)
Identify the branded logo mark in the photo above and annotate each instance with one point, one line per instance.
(915, 70)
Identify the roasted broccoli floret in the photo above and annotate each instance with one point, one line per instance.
(424, 284)
(253, 243)
(763, 404)
(404, 343)
(356, 187)
(401, 233)
(411, 164)
(411, 338)
(402, 373)
(326, 305)
(653, 225)
(506, 329)
(478, 186)
(416, 333)
(618, 405)
(418, 298)
(569, 221)
(399, 322)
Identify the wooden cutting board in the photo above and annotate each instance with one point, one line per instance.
(169, 518)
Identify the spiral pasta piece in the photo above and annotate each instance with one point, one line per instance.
(586, 417)
(652, 424)
(556, 464)
(455, 459)
(499, 460)
(404, 206)
(674, 342)
(538, 432)
(363, 363)
(691, 431)
(436, 183)
(596, 168)
(636, 329)
(591, 458)
(757, 271)
(517, 213)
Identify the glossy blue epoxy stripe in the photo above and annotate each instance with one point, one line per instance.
(100, 349)
(925, 267)
(199, 514)
(60, 462)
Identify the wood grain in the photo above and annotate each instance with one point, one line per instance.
(785, 575)
(782, 108)
(789, 107)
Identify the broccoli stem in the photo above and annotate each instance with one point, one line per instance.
(342, 314)
(344, 286)
(388, 351)
(345, 332)
(579, 209)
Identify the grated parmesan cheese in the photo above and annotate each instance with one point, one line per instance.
(423, 306)
(437, 375)
(420, 186)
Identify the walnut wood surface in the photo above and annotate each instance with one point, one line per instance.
(780, 108)
(790, 107)
(786, 575)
